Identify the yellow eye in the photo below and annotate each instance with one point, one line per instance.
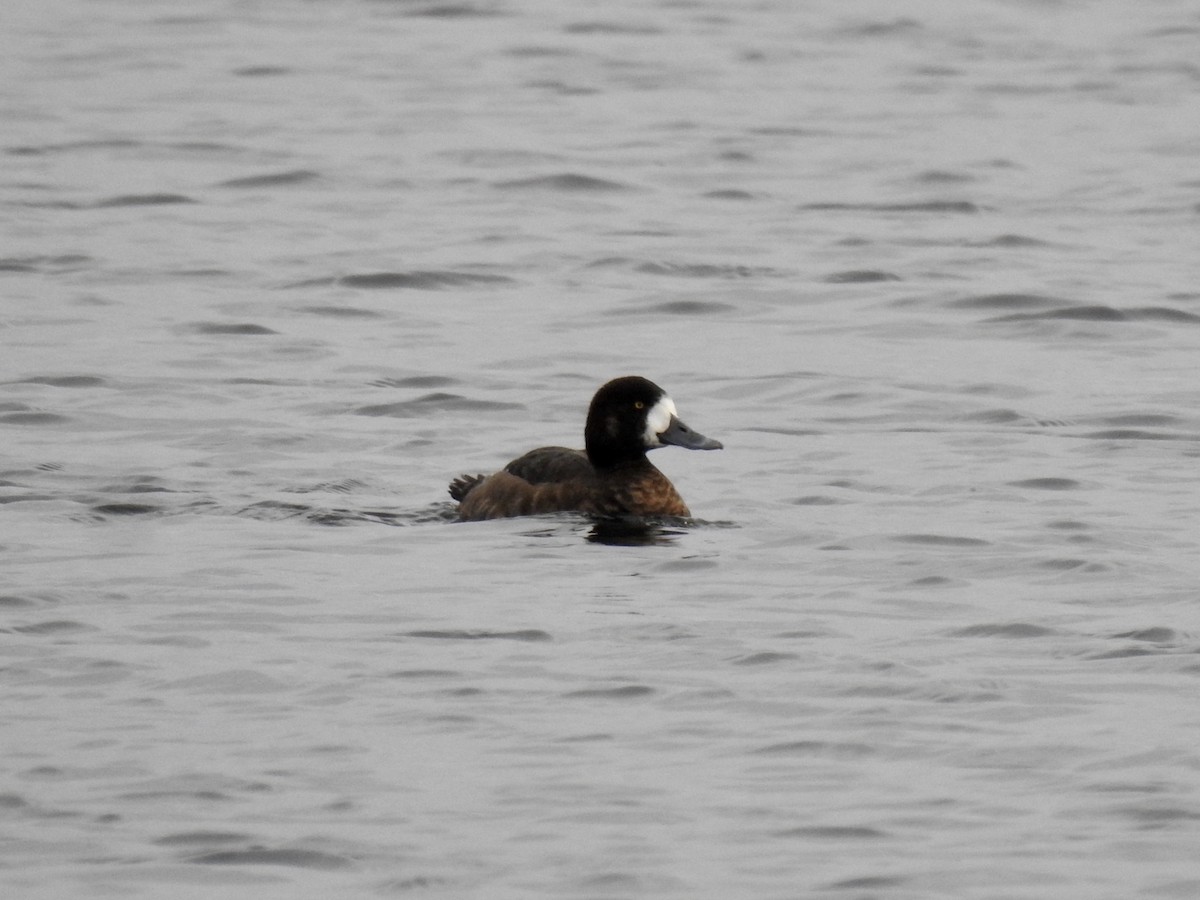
(638, 404)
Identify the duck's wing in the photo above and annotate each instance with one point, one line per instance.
(545, 465)
(504, 495)
(551, 465)
(545, 480)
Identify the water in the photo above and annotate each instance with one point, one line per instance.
(273, 273)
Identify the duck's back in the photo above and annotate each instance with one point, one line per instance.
(550, 464)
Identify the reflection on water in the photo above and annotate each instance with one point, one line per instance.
(628, 532)
(632, 533)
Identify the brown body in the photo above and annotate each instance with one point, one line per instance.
(566, 482)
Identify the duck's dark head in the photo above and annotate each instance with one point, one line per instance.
(631, 415)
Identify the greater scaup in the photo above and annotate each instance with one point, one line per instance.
(612, 477)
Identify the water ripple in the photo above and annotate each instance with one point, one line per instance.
(420, 280)
(565, 182)
(272, 179)
(263, 856)
(527, 635)
(142, 200)
(435, 402)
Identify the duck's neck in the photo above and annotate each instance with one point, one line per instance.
(613, 462)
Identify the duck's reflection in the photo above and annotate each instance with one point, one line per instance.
(632, 532)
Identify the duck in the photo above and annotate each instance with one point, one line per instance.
(611, 477)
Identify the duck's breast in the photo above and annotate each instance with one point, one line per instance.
(645, 492)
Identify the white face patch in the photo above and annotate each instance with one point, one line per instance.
(657, 420)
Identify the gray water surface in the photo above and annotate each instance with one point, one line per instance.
(272, 273)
